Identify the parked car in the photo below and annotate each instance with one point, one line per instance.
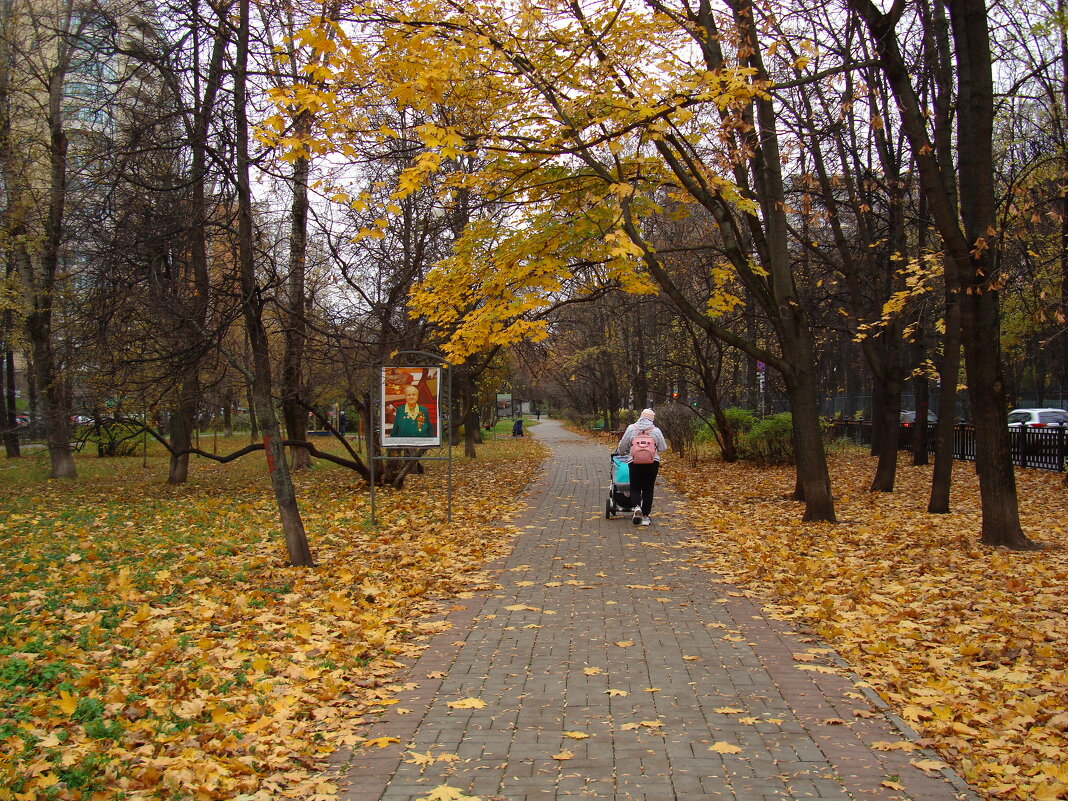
(22, 419)
(909, 417)
(1037, 418)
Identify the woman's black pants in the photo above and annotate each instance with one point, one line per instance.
(642, 479)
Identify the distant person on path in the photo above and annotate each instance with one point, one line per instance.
(517, 427)
(411, 420)
(537, 414)
(641, 444)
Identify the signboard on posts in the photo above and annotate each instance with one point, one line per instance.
(504, 404)
(411, 415)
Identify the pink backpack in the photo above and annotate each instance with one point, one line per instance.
(642, 449)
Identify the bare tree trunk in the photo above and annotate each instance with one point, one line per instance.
(888, 424)
(1063, 372)
(813, 484)
(942, 478)
(252, 307)
(39, 320)
(228, 414)
(296, 418)
(980, 313)
(470, 415)
(183, 419)
(922, 391)
(11, 436)
(56, 408)
(8, 407)
(38, 270)
(11, 440)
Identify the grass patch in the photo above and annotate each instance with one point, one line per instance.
(153, 637)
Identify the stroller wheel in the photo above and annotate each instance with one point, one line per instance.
(608, 510)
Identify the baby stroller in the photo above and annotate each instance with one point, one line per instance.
(619, 490)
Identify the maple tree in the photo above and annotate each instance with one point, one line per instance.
(653, 110)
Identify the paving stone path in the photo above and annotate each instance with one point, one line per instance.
(611, 666)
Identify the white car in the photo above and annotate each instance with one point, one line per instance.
(1037, 418)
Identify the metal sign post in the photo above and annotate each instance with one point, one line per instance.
(413, 415)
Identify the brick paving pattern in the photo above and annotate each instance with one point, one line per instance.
(610, 630)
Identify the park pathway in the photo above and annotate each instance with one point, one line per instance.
(611, 666)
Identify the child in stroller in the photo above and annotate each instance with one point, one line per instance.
(619, 489)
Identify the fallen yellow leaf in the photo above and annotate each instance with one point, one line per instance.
(67, 703)
(445, 793)
(380, 742)
(725, 748)
(467, 703)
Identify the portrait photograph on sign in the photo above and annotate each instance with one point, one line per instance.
(410, 413)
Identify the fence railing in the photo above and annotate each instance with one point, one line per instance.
(1039, 448)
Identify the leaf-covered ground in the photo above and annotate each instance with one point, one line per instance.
(968, 643)
(153, 643)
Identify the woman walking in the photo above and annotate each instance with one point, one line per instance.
(642, 443)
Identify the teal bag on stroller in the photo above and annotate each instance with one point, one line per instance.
(619, 492)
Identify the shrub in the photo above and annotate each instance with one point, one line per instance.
(703, 433)
(111, 438)
(739, 421)
(677, 423)
(769, 442)
(582, 420)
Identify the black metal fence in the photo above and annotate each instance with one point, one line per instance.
(1039, 448)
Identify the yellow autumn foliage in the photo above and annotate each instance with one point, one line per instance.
(969, 644)
(152, 637)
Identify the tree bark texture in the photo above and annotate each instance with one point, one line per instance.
(813, 481)
(252, 308)
(296, 419)
(11, 437)
(980, 314)
(183, 419)
(922, 393)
